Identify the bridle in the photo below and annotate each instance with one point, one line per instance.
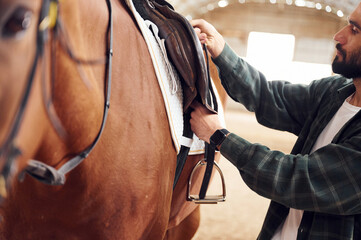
(49, 21)
(8, 150)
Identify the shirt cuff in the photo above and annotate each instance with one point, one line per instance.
(234, 149)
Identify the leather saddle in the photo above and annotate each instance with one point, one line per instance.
(185, 52)
(183, 49)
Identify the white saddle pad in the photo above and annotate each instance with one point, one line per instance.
(169, 84)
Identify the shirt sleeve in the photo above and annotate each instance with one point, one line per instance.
(327, 181)
(277, 104)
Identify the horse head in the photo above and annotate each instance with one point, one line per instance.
(24, 27)
(31, 33)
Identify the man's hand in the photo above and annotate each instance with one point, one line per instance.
(209, 35)
(203, 122)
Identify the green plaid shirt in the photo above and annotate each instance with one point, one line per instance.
(325, 184)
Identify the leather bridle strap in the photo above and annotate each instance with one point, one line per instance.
(48, 174)
(9, 151)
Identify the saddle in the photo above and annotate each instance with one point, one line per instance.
(185, 52)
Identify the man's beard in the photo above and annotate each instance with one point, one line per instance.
(350, 68)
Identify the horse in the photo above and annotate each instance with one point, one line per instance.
(124, 188)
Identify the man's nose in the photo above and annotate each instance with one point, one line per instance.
(340, 36)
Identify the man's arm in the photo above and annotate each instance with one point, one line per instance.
(326, 181)
(277, 104)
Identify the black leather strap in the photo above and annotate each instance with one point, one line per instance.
(184, 151)
(211, 94)
(209, 155)
(210, 149)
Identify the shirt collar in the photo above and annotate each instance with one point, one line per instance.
(345, 91)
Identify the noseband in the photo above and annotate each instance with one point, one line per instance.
(49, 20)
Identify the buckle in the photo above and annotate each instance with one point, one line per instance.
(211, 199)
(50, 20)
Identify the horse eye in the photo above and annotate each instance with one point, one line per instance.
(17, 23)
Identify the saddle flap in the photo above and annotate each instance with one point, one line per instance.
(192, 55)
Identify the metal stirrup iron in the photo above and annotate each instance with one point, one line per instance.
(211, 199)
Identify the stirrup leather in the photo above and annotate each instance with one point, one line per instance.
(211, 199)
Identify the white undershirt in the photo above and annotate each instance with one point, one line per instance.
(289, 229)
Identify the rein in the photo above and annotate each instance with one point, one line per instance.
(48, 174)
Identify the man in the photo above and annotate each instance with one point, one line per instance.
(315, 190)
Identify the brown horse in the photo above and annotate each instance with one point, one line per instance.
(124, 189)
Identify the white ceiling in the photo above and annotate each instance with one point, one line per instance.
(193, 8)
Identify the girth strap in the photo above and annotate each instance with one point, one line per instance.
(184, 150)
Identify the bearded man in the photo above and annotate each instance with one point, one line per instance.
(315, 190)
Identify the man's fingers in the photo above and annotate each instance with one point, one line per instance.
(197, 30)
(201, 36)
(195, 104)
(195, 22)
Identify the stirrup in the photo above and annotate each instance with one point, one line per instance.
(212, 199)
